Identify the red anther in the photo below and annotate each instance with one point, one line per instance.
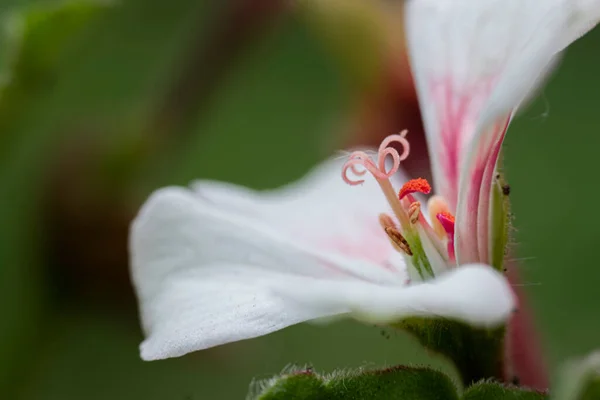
(414, 185)
(447, 221)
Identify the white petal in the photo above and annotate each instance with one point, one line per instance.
(476, 294)
(546, 28)
(200, 308)
(204, 277)
(474, 61)
(320, 210)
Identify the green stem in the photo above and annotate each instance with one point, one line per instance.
(477, 353)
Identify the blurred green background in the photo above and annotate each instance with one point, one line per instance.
(103, 101)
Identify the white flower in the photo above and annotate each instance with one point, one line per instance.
(223, 263)
(220, 263)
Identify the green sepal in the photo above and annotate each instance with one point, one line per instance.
(397, 383)
(499, 220)
(579, 380)
(591, 391)
(476, 353)
(497, 391)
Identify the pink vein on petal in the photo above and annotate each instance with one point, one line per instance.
(369, 244)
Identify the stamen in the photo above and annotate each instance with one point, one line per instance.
(413, 212)
(398, 240)
(382, 176)
(386, 221)
(377, 170)
(394, 234)
(414, 185)
(447, 221)
(435, 206)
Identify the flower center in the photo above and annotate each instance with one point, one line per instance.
(427, 245)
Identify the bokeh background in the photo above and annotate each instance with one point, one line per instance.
(103, 101)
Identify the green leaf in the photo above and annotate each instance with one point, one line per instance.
(497, 391)
(579, 380)
(298, 385)
(476, 353)
(397, 383)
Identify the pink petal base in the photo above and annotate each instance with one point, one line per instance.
(457, 114)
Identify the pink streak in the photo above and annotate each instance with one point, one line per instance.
(457, 111)
(370, 244)
(523, 350)
(474, 224)
(468, 221)
(451, 130)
